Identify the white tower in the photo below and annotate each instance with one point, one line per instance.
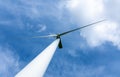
(38, 66)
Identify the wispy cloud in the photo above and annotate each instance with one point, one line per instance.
(9, 63)
(30, 12)
(41, 28)
(66, 68)
(33, 8)
(36, 28)
(84, 66)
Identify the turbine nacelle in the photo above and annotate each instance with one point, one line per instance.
(60, 43)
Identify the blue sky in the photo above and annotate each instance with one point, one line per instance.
(91, 52)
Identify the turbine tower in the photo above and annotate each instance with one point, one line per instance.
(38, 66)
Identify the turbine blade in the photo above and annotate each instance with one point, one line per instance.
(80, 28)
(47, 36)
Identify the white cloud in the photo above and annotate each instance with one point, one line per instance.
(9, 64)
(112, 8)
(99, 34)
(36, 28)
(90, 11)
(82, 9)
(41, 28)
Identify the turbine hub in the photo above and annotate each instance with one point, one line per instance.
(58, 36)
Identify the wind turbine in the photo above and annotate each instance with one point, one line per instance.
(38, 66)
(58, 36)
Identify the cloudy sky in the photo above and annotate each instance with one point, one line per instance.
(90, 52)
